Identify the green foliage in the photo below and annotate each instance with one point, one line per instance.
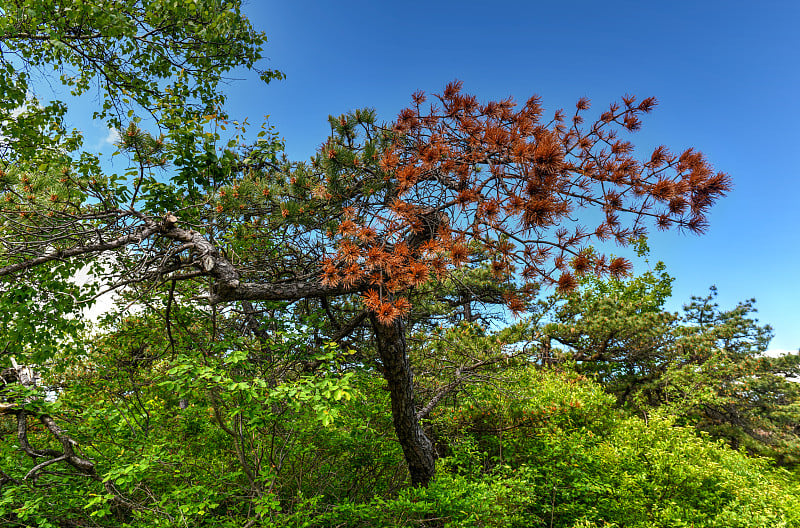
(164, 55)
(450, 501)
(40, 314)
(707, 366)
(617, 329)
(163, 59)
(578, 461)
(214, 427)
(199, 425)
(553, 452)
(729, 387)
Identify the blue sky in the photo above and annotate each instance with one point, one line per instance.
(726, 75)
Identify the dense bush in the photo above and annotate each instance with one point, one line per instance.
(553, 452)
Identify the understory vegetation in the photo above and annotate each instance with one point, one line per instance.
(213, 427)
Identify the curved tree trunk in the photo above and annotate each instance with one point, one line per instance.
(417, 447)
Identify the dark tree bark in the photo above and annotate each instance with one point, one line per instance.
(417, 447)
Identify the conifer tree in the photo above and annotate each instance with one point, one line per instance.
(381, 212)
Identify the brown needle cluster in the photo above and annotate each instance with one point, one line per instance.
(460, 174)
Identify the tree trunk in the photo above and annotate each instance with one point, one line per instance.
(417, 448)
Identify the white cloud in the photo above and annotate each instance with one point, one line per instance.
(112, 137)
(104, 302)
(777, 352)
